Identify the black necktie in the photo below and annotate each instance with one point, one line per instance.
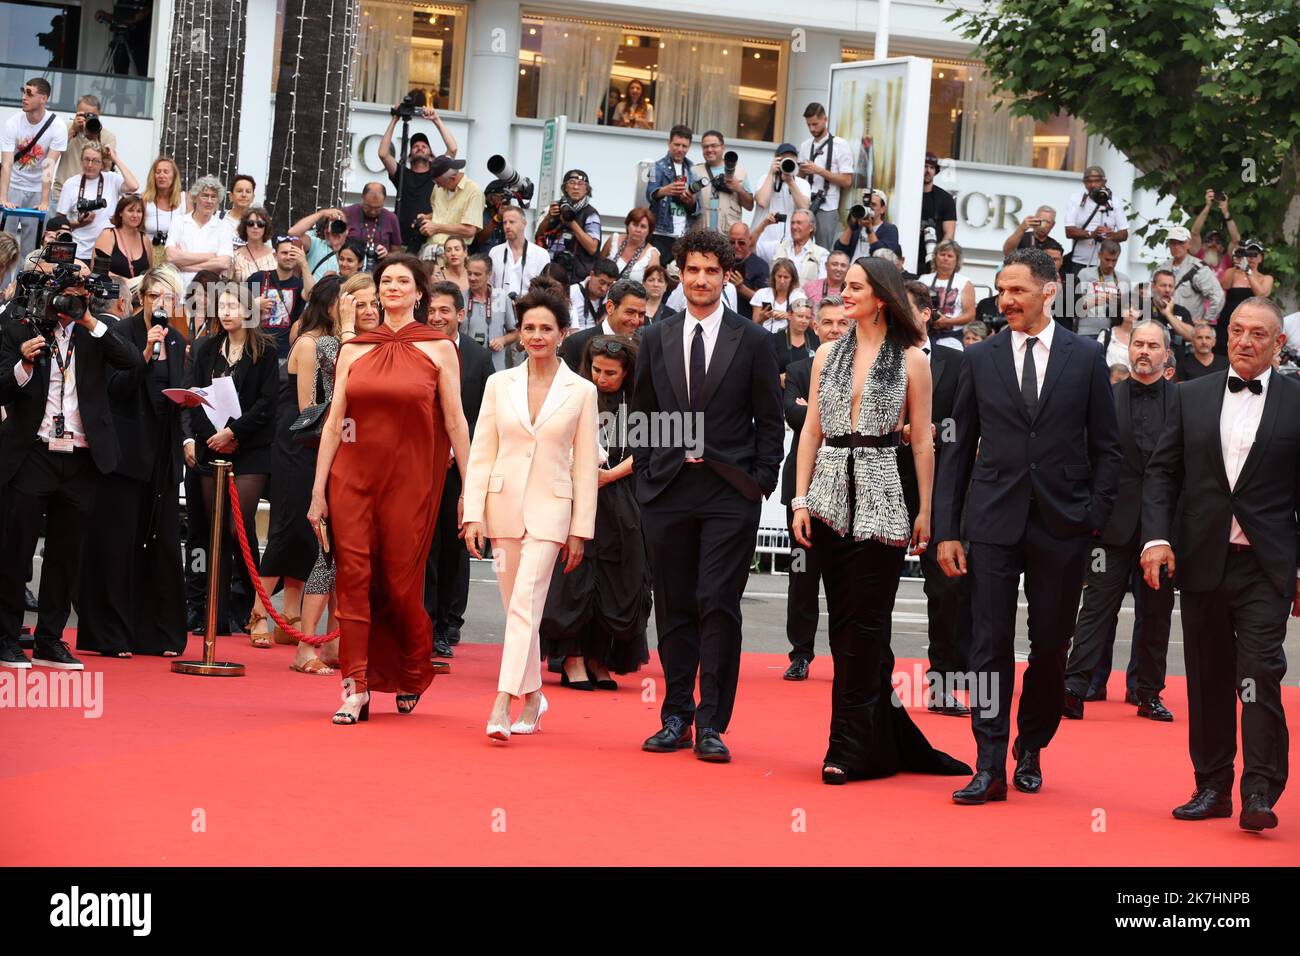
(1029, 378)
(697, 369)
(1237, 384)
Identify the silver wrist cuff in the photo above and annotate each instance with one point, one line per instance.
(800, 502)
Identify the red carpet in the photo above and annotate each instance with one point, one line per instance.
(257, 762)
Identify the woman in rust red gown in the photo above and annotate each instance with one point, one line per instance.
(394, 417)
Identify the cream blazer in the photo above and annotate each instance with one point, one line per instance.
(539, 478)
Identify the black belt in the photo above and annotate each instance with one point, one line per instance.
(855, 440)
(1233, 546)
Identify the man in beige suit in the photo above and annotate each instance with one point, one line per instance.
(531, 487)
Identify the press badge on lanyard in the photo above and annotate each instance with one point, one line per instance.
(60, 438)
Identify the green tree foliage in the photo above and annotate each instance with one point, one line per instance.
(1198, 94)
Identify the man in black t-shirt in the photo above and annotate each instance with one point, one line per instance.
(938, 211)
(279, 292)
(750, 272)
(415, 192)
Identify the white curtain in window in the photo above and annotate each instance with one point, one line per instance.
(383, 58)
(990, 135)
(577, 60)
(699, 85)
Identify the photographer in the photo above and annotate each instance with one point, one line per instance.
(869, 228)
(587, 298)
(132, 589)
(675, 206)
(31, 142)
(281, 294)
(374, 226)
(414, 182)
(489, 313)
(1032, 230)
(779, 194)
(570, 230)
(827, 167)
(726, 193)
(456, 207)
(747, 276)
(163, 201)
(1101, 289)
(84, 129)
(322, 233)
(56, 443)
(938, 214)
(1162, 307)
(952, 295)
(1090, 220)
(516, 262)
(1195, 286)
(496, 197)
(1244, 279)
(1211, 249)
(89, 196)
(809, 258)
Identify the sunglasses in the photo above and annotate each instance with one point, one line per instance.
(605, 345)
(255, 223)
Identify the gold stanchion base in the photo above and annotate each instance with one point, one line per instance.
(215, 669)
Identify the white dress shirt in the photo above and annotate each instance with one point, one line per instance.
(839, 160)
(512, 274)
(578, 317)
(1238, 423)
(1042, 351)
(72, 427)
(711, 324)
(677, 298)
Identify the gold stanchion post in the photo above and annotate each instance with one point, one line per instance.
(210, 666)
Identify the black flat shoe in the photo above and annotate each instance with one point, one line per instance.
(1028, 777)
(1257, 813)
(1205, 804)
(1154, 709)
(607, 684)
(406, 702)
(1095, 694)
(709, 746)
(950, 706)
(1072, 709)
(576, 684)
(798, 670)
(983, 788)
(675, 735)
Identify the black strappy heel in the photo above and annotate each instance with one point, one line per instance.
(834, 774)
(406, 702)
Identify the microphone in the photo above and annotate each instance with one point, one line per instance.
(159, 317)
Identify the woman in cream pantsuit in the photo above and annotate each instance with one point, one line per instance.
(530, 486)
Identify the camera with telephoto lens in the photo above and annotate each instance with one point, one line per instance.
(719, 182)
(788, 167)
(519, 187)
(93, 126)
(338, 227)
(1101, 196)
(930, 237)
(698, 185)
(861, 212)
(90, 205)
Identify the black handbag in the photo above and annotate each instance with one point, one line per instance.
(307, 427)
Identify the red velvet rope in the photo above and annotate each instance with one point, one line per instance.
(316, 640)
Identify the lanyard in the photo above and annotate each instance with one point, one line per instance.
(81, 187)
(814, 153)
(587, 307)
(523, 264)
(487, 309)
(945, 291)
(64, 363)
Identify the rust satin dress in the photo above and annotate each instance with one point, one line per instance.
(384, 488)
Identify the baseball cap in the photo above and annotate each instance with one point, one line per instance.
(445, 164)
(1252, 244)
(576, 174)
(420, 138)
(786, 148)
(1178, 234)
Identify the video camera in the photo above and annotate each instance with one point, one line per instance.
(519, 187)
(40, 297)
(406, 109)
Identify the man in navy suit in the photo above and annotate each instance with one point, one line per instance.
(701, 491)
(1035, 403)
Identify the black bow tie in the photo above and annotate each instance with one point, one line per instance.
(1237, 384)
(1151, 391)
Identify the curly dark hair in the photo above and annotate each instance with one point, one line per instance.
(1039, 263)
(540, 297)
(708, 242)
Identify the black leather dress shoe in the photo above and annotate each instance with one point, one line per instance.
(1072, 709)
(29, 600)
(950, 706)
(453, 636)
(1028, 777)
(1204, 805)
(1095, 694)
(1154, 709)
(1131, 697)
(674, 736)
(983, 788)
(442, 648)
(709, 746)
(798, 670)
(1257, 813)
